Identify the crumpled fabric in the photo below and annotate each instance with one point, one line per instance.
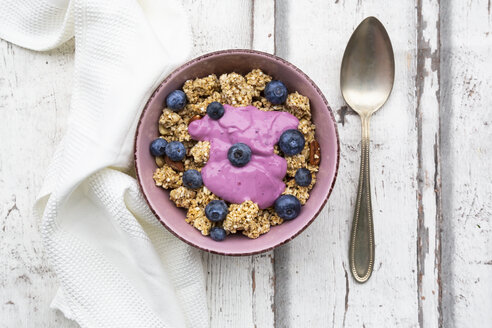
(116, 265)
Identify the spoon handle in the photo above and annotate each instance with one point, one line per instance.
(361, 251)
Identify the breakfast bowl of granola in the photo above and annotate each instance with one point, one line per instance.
(236, 152)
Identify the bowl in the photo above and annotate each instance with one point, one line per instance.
(239, 61)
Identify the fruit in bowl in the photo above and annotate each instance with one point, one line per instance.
(234, 143)
(254, 139)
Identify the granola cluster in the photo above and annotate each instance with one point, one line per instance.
(167, 178)
(200, 152)
(302, 193)
(172, 126)
(236, 90)
(298, 105)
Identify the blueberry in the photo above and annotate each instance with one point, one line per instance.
(215, 110)
(303, 177)
(217, 233)
(158, 147)
(216, 210)
(239, 154)
(192, 179)
(175, 151)
(176, 100)
(291, 142)
(276, 92)
(287, 207)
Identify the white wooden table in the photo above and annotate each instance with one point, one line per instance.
(431, 173)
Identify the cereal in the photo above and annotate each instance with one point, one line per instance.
(258, 80)
(294, 163)
(200, 152)
(276, 149)
(302, 193)
(298, 105)
(236, 90)
(164, 132)
(194, 89)
(263, 104)
(260, 225)
(190, 164)
(180, 132)
(167, 178)
(273, 217)
(196, 217)
(169, 118)
(172, 126)
(200, 108)
(182, 196)
(307, 128)
(244, 217)
(204, 196)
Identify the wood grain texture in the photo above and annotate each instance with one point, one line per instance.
(466, 143)
(34, 100)
(240, 290)
(314, 287)
(429, 175)
(435, 127)
(263, 25)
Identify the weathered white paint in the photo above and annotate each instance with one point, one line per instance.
(34, 99)
(311, 285)
(428, 150)
(314, 285)
(466, 143)
(263, 25)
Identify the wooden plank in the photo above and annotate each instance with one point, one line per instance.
(263, 25)
(240, 290)
(217, 25)
(314, 287)
(263, 272)
(428, 152)
(466, 149)
(34, 100)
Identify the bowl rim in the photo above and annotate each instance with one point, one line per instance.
(237, 52)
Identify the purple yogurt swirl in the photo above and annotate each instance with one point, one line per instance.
(261, 179)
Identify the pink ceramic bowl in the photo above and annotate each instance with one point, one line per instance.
(240, 61)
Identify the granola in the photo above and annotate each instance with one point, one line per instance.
(194, 89)
(236, 90)
(258, 80)
(298, 105)
(167, 178)
(200, 152)
(241, 216)
(196, 217)
(302, 193)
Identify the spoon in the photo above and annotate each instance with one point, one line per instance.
(366, 80)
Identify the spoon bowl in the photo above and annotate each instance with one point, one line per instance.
(368, 68)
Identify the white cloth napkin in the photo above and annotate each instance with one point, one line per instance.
(117, 266)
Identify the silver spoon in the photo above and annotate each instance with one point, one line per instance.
(366, 80)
